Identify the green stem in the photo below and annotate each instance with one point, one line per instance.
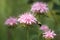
(27, 33)
(38, 18)
(38, 34)
(9, 33)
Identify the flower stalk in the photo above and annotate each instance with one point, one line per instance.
(9, 33)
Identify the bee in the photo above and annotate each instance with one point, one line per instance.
(39, 23)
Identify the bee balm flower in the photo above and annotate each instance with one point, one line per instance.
(39, 7)
(27, 18)
(49, 34)
(11, 21)
(44, 28)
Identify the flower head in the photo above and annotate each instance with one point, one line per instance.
(39, 7)
(11, 21)
(27, 18)
(44, 28)
(49, 34)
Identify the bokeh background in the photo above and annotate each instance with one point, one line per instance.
(15, 7)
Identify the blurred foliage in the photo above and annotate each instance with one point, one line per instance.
(15, 7)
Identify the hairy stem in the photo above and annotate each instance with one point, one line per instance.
(9, 34)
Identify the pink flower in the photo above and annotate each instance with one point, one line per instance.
(39, 7)
(44, 28)
(11, 21)
(27, 18)
(49, 34)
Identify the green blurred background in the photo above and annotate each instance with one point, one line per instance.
(15, 7)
